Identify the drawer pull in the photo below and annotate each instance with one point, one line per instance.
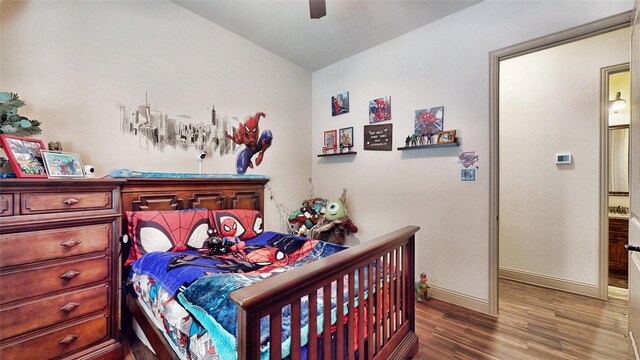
(68, 339)
(70, 201)
(70, 274)
(69, 307)
(71, 243)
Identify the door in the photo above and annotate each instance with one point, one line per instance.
(634, 189)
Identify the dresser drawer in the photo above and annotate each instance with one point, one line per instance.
(20, 319)
(32, 246)
(6, 204)
(40, 280)
(58, 341)
(39, 203)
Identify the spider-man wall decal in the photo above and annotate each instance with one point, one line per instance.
(247, 135)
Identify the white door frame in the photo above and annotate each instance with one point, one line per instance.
(577, 33)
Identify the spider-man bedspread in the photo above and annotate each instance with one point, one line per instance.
(203, 283)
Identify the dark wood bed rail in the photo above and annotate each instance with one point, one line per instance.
(389, 312)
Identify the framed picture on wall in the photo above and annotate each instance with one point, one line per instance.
(429, 121)
(63, 164)
(378, 137)
(447, 137)
(25, 155)
(330, 141)
(380, 110)
(346, 138)
(340, 104)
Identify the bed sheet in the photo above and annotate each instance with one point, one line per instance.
(188, 338)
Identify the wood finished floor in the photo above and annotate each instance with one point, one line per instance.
(534, 323)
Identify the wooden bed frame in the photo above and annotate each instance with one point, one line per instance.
(390, 321)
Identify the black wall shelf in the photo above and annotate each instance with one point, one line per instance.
(429, 146)
(339, 154)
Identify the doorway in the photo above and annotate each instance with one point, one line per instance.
(615, 102)
(589, 30)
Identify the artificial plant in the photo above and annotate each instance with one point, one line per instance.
(12, 123)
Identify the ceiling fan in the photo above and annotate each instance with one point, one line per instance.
(317, 8)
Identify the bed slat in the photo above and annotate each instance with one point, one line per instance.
(371, 300)
(295, 329)
(275, 325)
(326, 331)
(350, 327)
(312, 340)
(361, 312)
(339, 320)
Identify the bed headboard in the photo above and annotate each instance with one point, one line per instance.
(141, 194)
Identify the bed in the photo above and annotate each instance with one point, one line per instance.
(381, 326)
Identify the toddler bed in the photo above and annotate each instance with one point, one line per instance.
(264, 310)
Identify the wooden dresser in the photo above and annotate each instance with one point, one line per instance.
(58, 269)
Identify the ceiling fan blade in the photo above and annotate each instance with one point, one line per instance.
(317, 8)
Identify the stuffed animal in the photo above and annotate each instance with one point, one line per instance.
(422, 288)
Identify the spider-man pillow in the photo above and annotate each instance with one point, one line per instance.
(167, 231)
(248, 223)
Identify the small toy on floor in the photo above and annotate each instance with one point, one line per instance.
(422, 288)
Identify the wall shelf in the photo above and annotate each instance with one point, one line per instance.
(429, 146)
(339, 154)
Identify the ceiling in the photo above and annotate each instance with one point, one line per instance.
(284, 27)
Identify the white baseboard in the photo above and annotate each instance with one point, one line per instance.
(456, 298)
(634, 346)
(552, 282)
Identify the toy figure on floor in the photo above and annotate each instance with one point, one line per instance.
(247, 135)
(422, 288)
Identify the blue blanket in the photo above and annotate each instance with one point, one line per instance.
(177, 270)
(218, 314)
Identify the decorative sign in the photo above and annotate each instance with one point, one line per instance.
(378, 137)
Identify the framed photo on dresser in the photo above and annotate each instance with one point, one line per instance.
(25, 155)
(63, 164)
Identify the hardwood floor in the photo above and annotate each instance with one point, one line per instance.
(534, 323)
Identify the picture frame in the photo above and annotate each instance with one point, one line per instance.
(380, 110)
(63, 164)
(468, 174)
(25, 155)
(447, 137)
(330, 140)
(429, 121)
(340, 104)
(378, 137)
(346, 138)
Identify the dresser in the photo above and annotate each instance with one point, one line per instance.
(59, 269)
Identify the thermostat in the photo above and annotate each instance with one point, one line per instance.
(563, 159)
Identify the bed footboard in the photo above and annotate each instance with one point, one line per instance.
(384, 324)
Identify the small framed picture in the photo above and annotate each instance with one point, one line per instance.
(63, 164)
(25, 155)
(346, 138)
(447, 137)
(468, 174)
(340, 104)
(330, 141)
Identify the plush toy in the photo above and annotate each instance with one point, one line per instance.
(335, 225)
(422, 288)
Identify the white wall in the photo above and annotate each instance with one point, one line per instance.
(444, 63)
(550, 103)
(72, 61)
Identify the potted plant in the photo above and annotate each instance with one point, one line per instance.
(12, 123)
